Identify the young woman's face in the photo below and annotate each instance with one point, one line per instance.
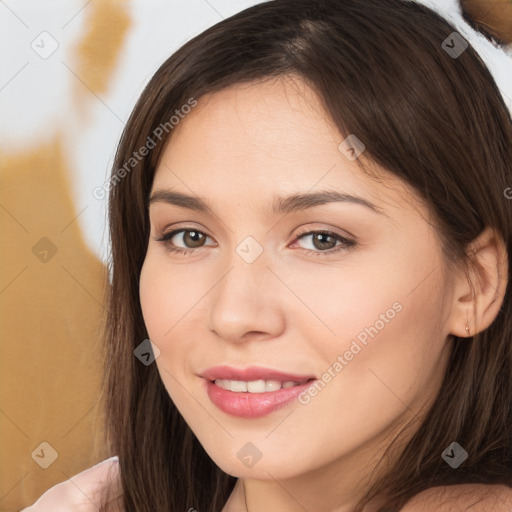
(363, 309)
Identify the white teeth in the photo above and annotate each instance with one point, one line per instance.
(272, 385)
(254, 386)
(224, 384)
(238, 386)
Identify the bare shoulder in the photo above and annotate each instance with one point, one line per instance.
(459, 498)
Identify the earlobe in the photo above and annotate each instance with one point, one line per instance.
(467, 328)
(479, 293)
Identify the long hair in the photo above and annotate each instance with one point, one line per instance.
(437, 122)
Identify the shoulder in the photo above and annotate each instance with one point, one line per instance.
(458, 498)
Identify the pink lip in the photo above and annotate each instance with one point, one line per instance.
(252, 405)
(251, 373)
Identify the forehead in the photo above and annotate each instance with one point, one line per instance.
(259, 140)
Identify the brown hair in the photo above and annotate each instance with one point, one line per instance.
(437, 122)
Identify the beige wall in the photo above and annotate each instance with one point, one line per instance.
(52, 305)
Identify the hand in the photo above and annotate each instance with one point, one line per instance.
(97, 489)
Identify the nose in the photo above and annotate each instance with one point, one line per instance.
(246, 303)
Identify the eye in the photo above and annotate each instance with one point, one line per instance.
(324, 240)
(191, 236)
(194, 239)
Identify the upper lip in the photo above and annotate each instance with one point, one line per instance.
(252, 373)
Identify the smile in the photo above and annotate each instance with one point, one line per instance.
(248, 399)
(255, 386)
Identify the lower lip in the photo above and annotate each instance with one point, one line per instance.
(252, 405)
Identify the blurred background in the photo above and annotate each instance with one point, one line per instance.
(71, 73)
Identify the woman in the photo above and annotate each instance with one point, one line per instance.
(309, 221)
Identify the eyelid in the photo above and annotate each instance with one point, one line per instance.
(344, 241)
(165, 231)
(302, 231)
(316, 227)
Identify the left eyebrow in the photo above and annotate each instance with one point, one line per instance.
(281, 205)
(299, 202)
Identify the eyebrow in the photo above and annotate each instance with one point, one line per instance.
(281, 205)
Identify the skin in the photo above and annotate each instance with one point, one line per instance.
(293, 311)
(458, 498)
(96, 488)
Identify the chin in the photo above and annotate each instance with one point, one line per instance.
(265, 468)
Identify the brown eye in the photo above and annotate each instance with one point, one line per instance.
(323, 241)
(190, 238)
(326, 242)
(193, 239)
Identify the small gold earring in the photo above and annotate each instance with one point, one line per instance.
(467, 328)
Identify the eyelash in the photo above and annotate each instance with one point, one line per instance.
(345, 242)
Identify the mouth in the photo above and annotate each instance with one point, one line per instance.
(252, 397)
(256, 386)
(252, 374)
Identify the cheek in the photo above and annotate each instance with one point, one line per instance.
(166, 295)
(388, 352)
(346, 306)
(163, 305)
(172, 308)
(381, 315)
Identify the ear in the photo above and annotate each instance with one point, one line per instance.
(480, 289)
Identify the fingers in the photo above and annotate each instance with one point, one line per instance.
(94, 489)
(89, 491)
(99, 484)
